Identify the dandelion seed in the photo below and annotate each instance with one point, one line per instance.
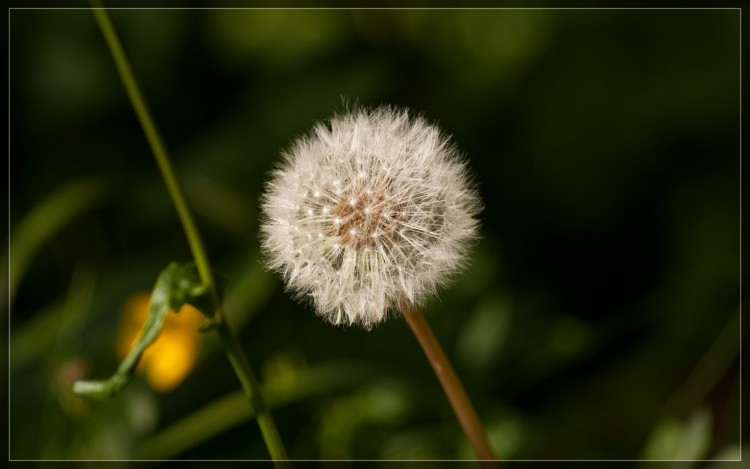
(399, 216)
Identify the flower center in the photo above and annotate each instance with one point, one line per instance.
(362, 216)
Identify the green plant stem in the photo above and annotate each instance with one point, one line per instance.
(226, 333)
(154, 140)
(460, 402)
(231, 410)
(251, 387)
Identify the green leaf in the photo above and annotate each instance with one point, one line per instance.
(44, 221)
(675, 440)
(177, 285)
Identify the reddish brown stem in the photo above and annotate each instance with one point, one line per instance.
(460, 402)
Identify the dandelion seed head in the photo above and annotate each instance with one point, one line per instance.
(386, 215)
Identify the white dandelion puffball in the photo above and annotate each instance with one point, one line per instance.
(369, 212)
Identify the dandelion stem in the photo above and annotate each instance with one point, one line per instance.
(228, 337)
(460, 402)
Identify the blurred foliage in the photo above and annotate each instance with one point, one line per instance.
(598, 317)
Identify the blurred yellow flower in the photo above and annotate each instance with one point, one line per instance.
(172, 356)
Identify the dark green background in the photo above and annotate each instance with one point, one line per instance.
(606, 149)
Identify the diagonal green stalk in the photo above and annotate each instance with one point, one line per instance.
(226, 333)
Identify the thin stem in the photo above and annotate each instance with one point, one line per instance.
(460, 402)
(226, 333)
(251, 387)
(154, 141)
